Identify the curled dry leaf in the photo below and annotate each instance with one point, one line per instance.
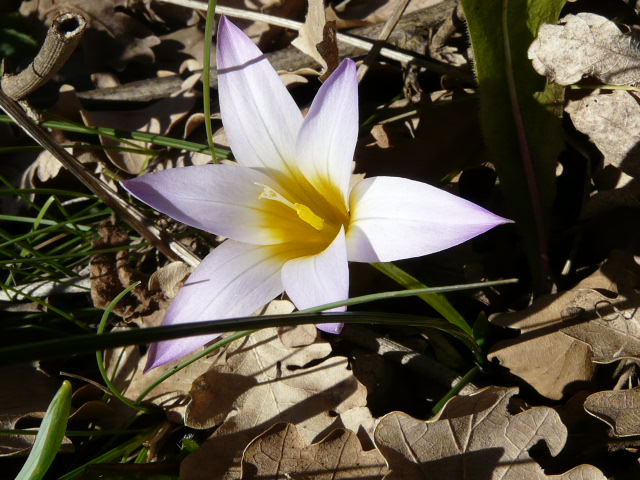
(618, 409)
(259, 382)
(563, 334)
(582, 45)
(474, 437)
(280, 452)
(612, 122)
(168, 279)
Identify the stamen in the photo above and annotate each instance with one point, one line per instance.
(304, 213)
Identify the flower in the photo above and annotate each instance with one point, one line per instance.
(287, 208)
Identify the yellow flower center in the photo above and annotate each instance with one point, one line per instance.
(304, 213)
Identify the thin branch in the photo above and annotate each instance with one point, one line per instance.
(135, 218)
(61, 40)
(389, 25)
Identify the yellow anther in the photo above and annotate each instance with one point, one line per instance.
(304, 213)
(307, 215)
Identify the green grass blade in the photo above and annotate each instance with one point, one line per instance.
(519, 114)
(49, 437)
(92, 343)
(100, 357)
(433, 298)
(67, 126)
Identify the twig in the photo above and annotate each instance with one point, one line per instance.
(61, 40)
(389, 25)
(170, 248)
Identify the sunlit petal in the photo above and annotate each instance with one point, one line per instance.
(234, 280)
(327, 139)
(394, 218)
(221, 199)
(313, 280)
(260, 118)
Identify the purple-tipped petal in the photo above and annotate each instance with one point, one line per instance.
(234, 280)
(328, 136)
(260, 118)
(220, 199)
(314, 280)
(394, 218)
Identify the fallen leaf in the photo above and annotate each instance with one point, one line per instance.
(281, 452)
(259, 382)
(563, 334)
(582, 45)
(119, 37)
(612, 122)
(315, 38)
(168, 279)
(474, 436)
(618, 409)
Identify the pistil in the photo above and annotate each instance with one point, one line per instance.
(304, 213)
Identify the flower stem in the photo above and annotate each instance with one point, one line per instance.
(206, 77)
(455, 389)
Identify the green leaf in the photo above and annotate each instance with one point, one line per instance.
(519, 113)
(50, 436)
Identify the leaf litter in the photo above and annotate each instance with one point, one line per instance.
(287, 403)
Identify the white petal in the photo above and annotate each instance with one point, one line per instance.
(234, 280)
(220, 199)
(329, 133)
(394, 218)
(317, 279)
(260, 118)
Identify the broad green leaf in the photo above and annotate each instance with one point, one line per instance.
(519, 113)
(49, 439)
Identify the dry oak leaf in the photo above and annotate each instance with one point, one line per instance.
(280, 452)
(563, 334)
(582, 45)
(612, 122)
(259, 382)
(474, 436)
(620, 409)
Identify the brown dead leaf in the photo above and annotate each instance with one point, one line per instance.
(280, 452)
(110, 273)
(317, 38)
(26, 392)
(617, 408)
(612, 122)
(259, 382)
(582, 45)
(474, 437)
(563, 334)
(158, 118)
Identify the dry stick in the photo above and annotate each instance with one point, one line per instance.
(61, 40)
(135, 218)
(389, 25)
